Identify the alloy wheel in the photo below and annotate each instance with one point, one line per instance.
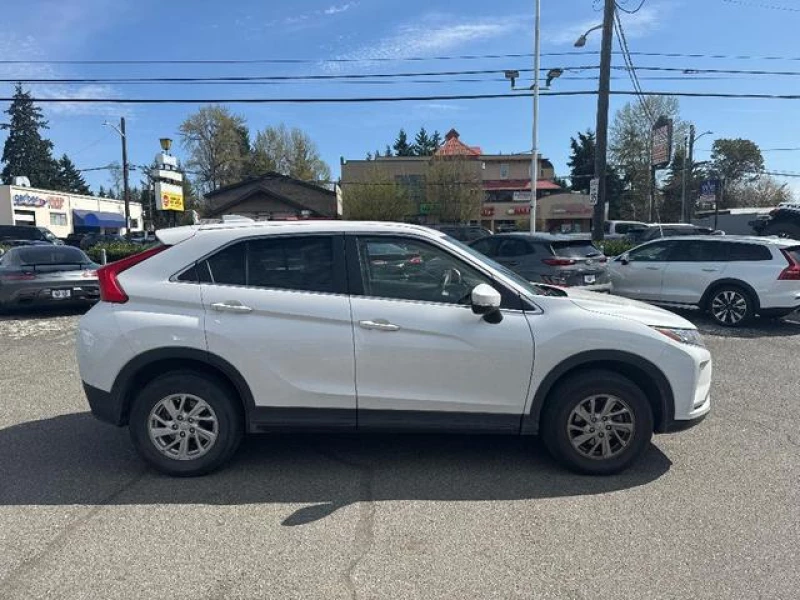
(729, 307)
(601, 426)
(183, 427)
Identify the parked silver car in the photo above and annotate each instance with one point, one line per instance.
(546, 258)
(47, 275)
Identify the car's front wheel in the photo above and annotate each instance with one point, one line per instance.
(185, 424)
(597, 422)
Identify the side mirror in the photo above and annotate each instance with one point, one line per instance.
(486, 301)
(624, 259)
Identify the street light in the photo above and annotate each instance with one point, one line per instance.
(581, 41)
(125, 191)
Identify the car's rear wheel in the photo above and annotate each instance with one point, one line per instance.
(597, 422)
(731, 306)
(185, 424)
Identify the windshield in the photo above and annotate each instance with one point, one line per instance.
(51, 255)
(576, 249)
(526, 285)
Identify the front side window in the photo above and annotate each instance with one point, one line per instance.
(484, 246)
(422, 272)
(513, 247)
(650, 253)
(697, 251)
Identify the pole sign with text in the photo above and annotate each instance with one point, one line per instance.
(661, 148)
(594, 190)
(709, 189)
(169, 196)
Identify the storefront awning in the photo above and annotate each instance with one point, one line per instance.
(97, 218)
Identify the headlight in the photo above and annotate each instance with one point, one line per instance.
(684, 336)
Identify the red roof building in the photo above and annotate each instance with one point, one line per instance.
(455, 147)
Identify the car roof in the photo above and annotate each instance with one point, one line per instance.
(543, 237)
(750, 239)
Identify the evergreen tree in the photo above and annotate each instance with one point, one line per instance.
(388, 150)
(401, 146)
(581, 171)
(422, 143)
(69, 179)
(101, 193)
(436, 141)
(26, 152)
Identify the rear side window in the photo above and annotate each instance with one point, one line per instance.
(286, 263)
(793, 253)
(576, 249)
(748, 252)
(513, 247)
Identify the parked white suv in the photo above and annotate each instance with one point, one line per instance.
(250, 327)
(733, 278)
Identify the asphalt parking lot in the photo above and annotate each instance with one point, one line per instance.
(713, 512)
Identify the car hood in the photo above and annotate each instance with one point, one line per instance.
(627, 309)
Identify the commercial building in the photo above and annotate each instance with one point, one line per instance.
(64, 213)
(273, 197)
(505, 179)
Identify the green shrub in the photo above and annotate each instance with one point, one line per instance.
(115, 251)
(614, 247)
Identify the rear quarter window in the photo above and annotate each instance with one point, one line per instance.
(748, 252)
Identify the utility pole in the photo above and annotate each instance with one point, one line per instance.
(684, 176)
(688, 212)
(126, 196)
(603, 94)
(535, 149)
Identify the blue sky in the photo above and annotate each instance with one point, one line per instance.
(320, 30)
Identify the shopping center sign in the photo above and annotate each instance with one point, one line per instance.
(37, 201)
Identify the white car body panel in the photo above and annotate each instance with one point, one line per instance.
(443, 357)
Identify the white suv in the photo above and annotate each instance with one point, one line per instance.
(733, 278)
(345, 326)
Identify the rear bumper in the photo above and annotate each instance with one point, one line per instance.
(105, 406)
(43, 295)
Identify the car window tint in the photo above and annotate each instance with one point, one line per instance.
(575, 249)
(483, 246)
(742, 252)
(302, 263)
(190, 275)
(423, 272)
(227, 267)
(512, 247)
(650, 253)
(697, 251)
(607, 227)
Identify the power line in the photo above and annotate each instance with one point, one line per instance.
(623, 44)
(630, 12)
(762, 5)
(372, 99)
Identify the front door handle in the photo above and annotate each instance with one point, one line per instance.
(231, 306)
(653, 268)
(710, 270)
(378, 325)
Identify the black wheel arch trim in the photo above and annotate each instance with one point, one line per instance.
(603, 359)
(734, 283)
(121, 390)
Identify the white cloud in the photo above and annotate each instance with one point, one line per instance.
(433, 34)
(637, 25)
(336, 9)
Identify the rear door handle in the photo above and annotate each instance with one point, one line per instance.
(710, 270)
(653, 268)
(231, 306)
(378, 325)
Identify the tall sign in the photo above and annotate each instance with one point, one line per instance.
(167, 183)
(661, 147)
(169, 196)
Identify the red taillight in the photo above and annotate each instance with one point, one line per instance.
(110, 289)
(558, 262)
(415, 260)
(603, 260)
(792, 272)
(18, 277)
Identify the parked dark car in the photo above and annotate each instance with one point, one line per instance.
(92, 239)
(74, 239)
(546, 258)
(10, 233)
(653, 232)
(46, 275)
(464, 233)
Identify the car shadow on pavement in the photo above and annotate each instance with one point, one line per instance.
(75, 460)
(45, 312)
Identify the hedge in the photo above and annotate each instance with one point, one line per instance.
(614, 247)
(115, 250)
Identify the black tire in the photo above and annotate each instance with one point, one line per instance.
(730, 305)
(785, 230)
(223, 404)
(559, 424)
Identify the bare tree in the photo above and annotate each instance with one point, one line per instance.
(218, 147)
(764, 191)
(290, 152)
(454, 189)
(375, 196)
